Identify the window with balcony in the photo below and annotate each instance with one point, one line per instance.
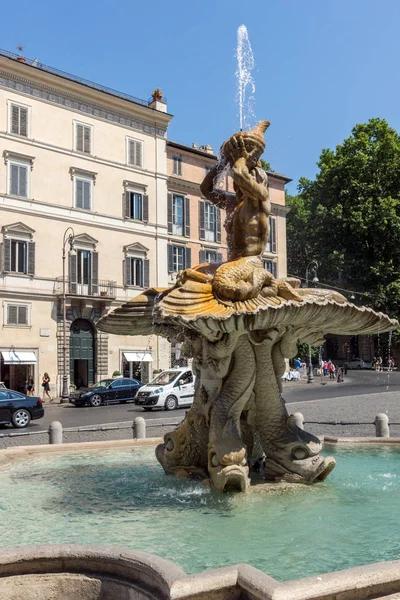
(177, 165)
(179, 258)
(136, 205)
(271, 266)
(209, 222)
(134, 153)
(19, 119)
(178, 215)
(17, 315)
(83, 138)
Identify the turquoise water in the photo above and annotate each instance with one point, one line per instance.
(124, 498)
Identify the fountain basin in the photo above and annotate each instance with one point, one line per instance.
(123, 498)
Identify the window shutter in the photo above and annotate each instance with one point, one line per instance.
(14, 119)
(73, 265)
(127, 202)
(187, 217)
(146, 273)
(7, 255)
(128, 271)
(202, 256)
(219, 258)
(272, 234)
(23, 180)
(169, 210)
(87, 134)
(94, 280)
(12, 316)
(188, 258)
(138, 154)
(79, 193)
(79, 137)
(217, 225)
(202, 232)
(14, 176)
(170, 258)
(23, 121)
(87, 201)
(131, 152)
(22, 315)
(145, 207)
(31, 258)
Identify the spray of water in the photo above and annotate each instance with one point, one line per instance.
(246, 85)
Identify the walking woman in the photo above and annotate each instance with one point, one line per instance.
(46, 387)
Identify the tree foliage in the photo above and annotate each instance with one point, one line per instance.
(348, 218)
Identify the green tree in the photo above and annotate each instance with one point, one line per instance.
(266, 165)
(348, 218)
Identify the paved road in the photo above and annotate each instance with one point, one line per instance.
(356, 383)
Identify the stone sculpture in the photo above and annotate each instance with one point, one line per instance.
(239, 323)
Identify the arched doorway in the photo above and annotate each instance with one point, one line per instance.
(81, 353)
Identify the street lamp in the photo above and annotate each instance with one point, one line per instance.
(69, 237)
(311, 268)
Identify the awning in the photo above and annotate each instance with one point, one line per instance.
(19, 358)
(138, 356)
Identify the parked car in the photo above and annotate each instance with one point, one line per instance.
(357, 363)
(19, 409)
(170, 389)
(106, 391)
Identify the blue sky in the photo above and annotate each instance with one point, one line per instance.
(321, 66)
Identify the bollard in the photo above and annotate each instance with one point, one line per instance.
(297, 419)
(55, 432)
(382, 425)
(139, 428)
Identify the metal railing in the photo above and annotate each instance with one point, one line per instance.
(102, 88)
(102, 288)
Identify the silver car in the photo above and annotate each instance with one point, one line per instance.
(357, 363)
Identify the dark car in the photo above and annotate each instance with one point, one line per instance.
(105, 391)
(19, 409)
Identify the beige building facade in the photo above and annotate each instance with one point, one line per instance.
(89, 162)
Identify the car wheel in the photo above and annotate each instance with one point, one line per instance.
(147, 408)
(95, 400)
(21, 418)
(358, 367)
(171, 403)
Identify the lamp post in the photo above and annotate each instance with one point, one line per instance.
(311, 268)
(69, 237)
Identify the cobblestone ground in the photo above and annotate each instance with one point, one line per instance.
(362, 408)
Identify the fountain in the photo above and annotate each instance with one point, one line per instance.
(239, 323)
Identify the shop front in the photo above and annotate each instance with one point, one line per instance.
(137, 365)
(16, 367)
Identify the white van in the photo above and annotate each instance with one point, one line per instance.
(170, 389)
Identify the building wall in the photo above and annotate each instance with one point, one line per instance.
(55, 104)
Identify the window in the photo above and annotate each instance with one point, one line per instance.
(84, 267)
(19, 119)
(271, 266)
(18, 256)
(271, 245)
(84, 272)
(17, 314)
(179, 257)
(136, 206)
(210, 256)
(135, 153)
(137, 271)
(18, 250)
(209, 222)
(178, 215)
(18, 179)
(177, 165)
(83, 193)
(83, 138)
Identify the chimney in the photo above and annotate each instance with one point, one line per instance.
(194, 146)
(158, 102)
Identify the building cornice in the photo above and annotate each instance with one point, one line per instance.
(71, 101)
(177, 184)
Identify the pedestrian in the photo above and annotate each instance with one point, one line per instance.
(325, 369)
(30, 386)
(297, 363)
(390, 363)
(46, 387)
(345, 368)
(339, 375)
(331, 370)
(379, 363)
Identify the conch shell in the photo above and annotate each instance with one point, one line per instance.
(252, 139)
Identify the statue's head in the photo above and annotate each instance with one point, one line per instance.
(253, 141)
